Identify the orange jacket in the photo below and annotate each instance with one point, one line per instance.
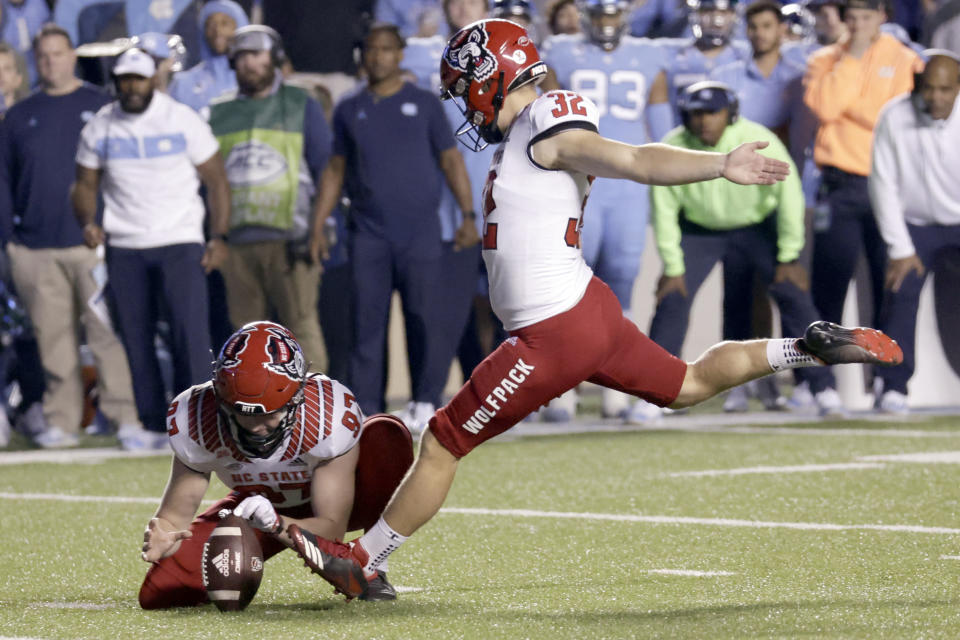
(847, 93)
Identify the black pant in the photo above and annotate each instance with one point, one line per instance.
(142, 283)
(838, 240)
(898, 317)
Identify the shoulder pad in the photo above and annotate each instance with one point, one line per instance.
(327, 424)
(562, 107)
(193, 427)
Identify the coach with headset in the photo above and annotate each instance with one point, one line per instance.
(145, 152)
(275, 143)
(758, 227)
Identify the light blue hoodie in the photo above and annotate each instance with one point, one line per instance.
(20, 23)
(198, 86)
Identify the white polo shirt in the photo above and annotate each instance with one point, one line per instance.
(914, 174)
(150, 183)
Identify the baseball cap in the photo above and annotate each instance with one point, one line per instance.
(135, 62)
(254, 37)
(706, 96)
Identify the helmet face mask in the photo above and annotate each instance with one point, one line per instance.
(261, 371)
(712, 21)
(481, 64)
(801, 24)
(604, 21)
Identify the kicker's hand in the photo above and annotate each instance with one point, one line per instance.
(259, 512)
(744, 165)
(160, 542)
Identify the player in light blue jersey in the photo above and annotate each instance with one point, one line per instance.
(461, 257)
(769, 86)
(712, 46)
(625, 77)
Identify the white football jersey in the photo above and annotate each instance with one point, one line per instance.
(327, 425)
(533, 217)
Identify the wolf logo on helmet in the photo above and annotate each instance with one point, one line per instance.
(483, 63)
(286, 358)
(470, 55)
(230, 356)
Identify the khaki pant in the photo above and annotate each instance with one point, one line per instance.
(260, 279)
(55, 286)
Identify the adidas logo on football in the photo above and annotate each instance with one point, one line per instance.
(222, 562)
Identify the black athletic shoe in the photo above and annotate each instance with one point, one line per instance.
(332, 561)
(379, 590)
(834, 344)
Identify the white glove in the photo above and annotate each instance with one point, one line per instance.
(260, 513)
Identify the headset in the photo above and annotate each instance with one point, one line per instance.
(692, 98)
(253, 38)
(926, 54)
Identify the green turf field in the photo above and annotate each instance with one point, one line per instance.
(780, 532)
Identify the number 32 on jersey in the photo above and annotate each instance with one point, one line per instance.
(566, 103)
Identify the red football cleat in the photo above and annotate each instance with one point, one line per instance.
(834, 344)
(332, 561)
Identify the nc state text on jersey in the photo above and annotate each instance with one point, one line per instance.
(276, 476)
(502, 392)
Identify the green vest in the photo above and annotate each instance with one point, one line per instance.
(261, 140)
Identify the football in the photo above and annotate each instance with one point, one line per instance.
(232, 564)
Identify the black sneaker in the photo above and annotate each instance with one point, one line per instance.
(330, 560)
(834, 344)
(379, 590)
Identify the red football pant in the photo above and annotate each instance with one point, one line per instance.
(386, 452)
(593, 341)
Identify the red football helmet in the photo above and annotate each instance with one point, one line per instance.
(482, 63)
(260, 370)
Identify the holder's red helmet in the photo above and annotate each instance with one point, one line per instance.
(482, 63)
(260, 370)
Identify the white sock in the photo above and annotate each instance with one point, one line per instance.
(380, 541)
(782, 353)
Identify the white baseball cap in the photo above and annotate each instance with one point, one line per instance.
(135, 62)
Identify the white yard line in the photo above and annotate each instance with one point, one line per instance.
(71, 456)
(706, 423)
(689, 572)
(570, 515)
(863, 462)
(714, 522)
(802, 468)
(928, 457)
(950, 557)
(65, 497)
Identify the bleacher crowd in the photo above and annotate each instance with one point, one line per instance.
(171, 170)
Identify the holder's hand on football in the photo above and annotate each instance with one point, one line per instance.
(259, 512)
(159, 542)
